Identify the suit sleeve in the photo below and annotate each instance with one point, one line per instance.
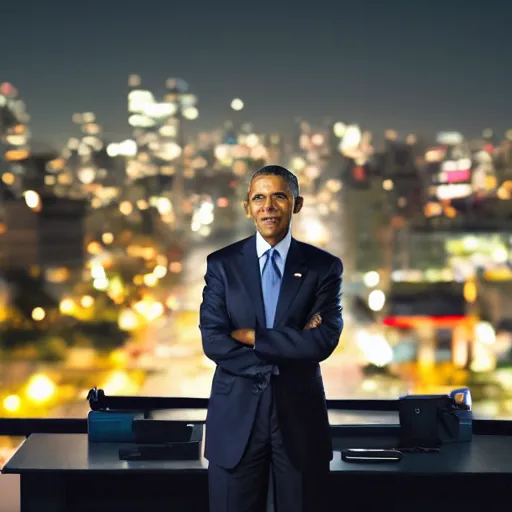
(290, 344)
(215, 327)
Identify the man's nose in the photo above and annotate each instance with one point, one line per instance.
(269, 203)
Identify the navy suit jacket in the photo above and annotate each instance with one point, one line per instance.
(232, 299)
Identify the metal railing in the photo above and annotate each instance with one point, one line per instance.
(27, 426)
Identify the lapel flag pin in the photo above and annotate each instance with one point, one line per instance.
(297, 274)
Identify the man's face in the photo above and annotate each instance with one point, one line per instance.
(271, 205)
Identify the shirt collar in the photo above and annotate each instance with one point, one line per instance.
(262, 246)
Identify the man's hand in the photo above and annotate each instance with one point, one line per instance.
(314, 321)
(248, 336)
(245, 336)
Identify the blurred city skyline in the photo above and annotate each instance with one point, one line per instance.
(403, 65)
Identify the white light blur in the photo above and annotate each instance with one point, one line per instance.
(237, 104)
(453, 191)
(222, 152)
(168, 130)
(314, 232)
(32, 199)
(375, 348)
(40, 388)
(138, 100)
(500, 255)
(450, 138)
(126, 148)
(351, 139)
(191, 113)
(252, 140)
(376, 300)
(371, 279)
(163, 205)
(16, 140)
(140, 121)
(485, 333)
(86, 175)
(298, 163)
(339, 129)
(159, 110)
(169, 151)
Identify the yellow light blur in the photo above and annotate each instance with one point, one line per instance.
(118, 358)
(12, 403)
(67, 306)
(172, 302)
(8, 178)
(126, 208)
(100, 283)
(175, 267)
(149, 308)
(119, 382)
(128, 320)
(470, 291)
(38, 314)
(94, 248)
(16, 154)
(503, 193)
(40, 388)
(107, 238)
(387, 185)
(150, 280)
(160, 271)
(87, 301)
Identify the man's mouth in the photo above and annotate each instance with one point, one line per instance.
(270, 221)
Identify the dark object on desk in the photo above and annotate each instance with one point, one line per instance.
(428, 421)
(112, 426)
(98, 401)
(167, 451)
(154, 431)
(368, 455)
(157, 439)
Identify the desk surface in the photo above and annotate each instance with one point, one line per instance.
(73, 453)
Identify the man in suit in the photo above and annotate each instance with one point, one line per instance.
(270, 314)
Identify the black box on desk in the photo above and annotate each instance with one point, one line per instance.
(152, 431)
(160, 436)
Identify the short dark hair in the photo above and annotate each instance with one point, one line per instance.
(277, 170)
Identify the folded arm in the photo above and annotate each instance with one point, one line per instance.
(215, 327)
(314, 345)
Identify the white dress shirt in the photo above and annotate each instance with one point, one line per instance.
(262, 246)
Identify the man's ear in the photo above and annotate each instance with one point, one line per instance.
(299, 202)
(245, 206)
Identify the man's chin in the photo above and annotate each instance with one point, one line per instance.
(271, 232)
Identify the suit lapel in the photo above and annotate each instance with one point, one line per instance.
(294, 274)
(252, 279)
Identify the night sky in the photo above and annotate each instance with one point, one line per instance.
(421, 66)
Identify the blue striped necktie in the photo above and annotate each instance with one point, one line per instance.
(270, 285)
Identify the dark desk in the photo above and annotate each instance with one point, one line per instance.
(63, 472)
